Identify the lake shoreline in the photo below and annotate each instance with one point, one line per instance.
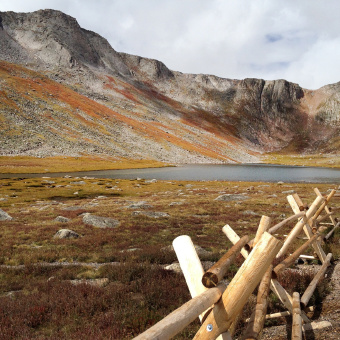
(249, 172)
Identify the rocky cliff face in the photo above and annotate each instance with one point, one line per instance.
(137, 107)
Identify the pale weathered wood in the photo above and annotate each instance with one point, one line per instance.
(190, 264)
(217, 272)
(285, 298)
(299, 202)
(240, 288)
(298, 227)
(322, 218)
(256, 323)
(332, 231)
(293, 257)
(324, 204)
(283, 314)
(234, 238)
(297, 321)
(276, 227)
(307, 257)
(176, 321)
(263, 226)
(306, 227)
(311, 288)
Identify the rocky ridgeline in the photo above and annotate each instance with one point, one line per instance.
(166, 115)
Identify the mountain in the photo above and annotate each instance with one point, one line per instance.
(65, 91)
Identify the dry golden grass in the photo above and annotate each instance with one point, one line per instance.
(331, 161)
(27, 164)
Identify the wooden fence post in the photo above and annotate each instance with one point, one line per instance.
(310, 289)
(307, 228)
(256, 322)
(297, 322)
(176, 321)
(190, 264)
(298, 227)
(217, 272)
(263, 226)
(291, 259)
(234, 238)
(240, 288)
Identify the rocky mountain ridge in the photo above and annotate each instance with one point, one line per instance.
(83, 97)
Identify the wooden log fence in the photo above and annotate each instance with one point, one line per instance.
(219, 305)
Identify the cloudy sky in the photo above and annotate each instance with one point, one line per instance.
(270, 39)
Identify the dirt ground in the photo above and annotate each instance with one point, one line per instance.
(328, 311)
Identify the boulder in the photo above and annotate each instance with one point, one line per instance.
(4, 216)
(99, 221)
(62, 219)
(65, 233)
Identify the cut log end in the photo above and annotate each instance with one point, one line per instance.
(210, 280)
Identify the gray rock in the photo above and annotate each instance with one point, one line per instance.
(175, 203)
(65, 233)
(177, 268)
(153, 214)
(288, 192)
(78, 183)
(62, 219)
(99, 221)
(151, 181)
(249, 212)
(4, 216)
(75, 208)
(92, 282)
(140, 205)
(231, 197)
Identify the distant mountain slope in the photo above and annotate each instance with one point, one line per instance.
(65, 90)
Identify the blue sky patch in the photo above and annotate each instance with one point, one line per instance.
(271, 38)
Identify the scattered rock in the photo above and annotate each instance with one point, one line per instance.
(140, 205)
(249, 212)
(174, 267)
(92, 282)
(99, 221)
(48, 182)
(131, 250)
(177, 268)
(153, 214)
(280, 183)
(74, 208)
(288, 192)
(151, 181)
(4, 216)
(231, 197)
(78, 183)
(65, 233)
(175, 203)
(62, 219)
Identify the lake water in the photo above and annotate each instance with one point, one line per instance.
(208, 172)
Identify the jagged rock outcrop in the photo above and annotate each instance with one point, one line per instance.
(114, 103)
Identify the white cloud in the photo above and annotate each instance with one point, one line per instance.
(294, 40)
